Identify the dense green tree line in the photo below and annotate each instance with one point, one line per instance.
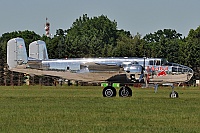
(99, 37)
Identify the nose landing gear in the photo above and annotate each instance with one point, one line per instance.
(173, 94)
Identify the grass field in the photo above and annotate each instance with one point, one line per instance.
(29, 109)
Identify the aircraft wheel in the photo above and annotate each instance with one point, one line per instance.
(173, 94)
(109, 91)
(125, 92)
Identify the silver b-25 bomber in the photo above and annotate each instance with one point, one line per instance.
(123, 70)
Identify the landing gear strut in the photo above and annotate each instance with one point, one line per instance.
(173, 94)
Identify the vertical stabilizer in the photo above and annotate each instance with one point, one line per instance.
(16, 52)
(38, 50)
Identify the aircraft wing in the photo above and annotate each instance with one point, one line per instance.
(86, 77)
(109, 63)
(103, 66)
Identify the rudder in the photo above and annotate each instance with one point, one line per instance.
(16, 52)
(38, 50)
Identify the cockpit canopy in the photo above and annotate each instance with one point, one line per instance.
(158, 62)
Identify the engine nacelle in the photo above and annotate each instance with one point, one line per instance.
(134, 72)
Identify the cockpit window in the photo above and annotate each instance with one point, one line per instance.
(151, 62)
(169, 64)
(164, 62)
(157, 62)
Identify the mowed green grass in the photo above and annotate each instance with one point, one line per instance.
(83, 109)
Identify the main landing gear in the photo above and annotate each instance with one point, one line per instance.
(125, 91)
(110, 91)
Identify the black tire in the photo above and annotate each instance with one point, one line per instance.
(125, 91)
(173, 94)
(109, 91)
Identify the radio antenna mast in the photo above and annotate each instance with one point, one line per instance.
(47, 28)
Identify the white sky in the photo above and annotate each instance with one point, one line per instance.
(142, 16)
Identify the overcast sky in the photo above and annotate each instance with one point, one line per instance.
(142, 16)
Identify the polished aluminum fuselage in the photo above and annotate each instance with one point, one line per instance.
(115, 69)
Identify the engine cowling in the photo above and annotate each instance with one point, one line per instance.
(134, 72)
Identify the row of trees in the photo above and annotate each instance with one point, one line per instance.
(99, 37)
